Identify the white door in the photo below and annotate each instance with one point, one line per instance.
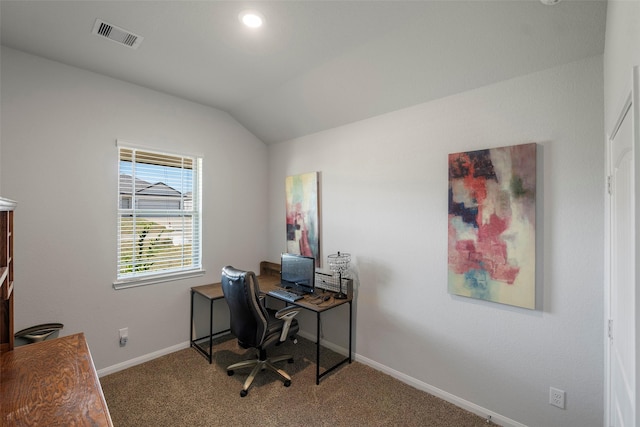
(623, 298)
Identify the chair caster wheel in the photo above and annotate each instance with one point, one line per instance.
(287, 383)
(290, 360)
(243, 393)
(230, 373)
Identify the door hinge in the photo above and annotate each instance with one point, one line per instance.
(610, 329)
(609, 186)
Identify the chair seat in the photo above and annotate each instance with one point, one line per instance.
(273, 330)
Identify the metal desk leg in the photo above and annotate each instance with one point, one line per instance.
(350, 328)
(191, 323)
(211, 332)
(317, 348)
(195, 340)
(346, 359)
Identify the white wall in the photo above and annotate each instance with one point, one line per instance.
(59, 161)
(384, 200)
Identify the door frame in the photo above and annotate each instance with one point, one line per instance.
(630, 106)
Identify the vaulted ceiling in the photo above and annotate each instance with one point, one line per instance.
(314, 65)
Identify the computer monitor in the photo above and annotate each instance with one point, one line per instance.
(298, 272)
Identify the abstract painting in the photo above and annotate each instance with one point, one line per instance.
(302, 215)
(492, 217)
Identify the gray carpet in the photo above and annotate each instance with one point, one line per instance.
(182, 389)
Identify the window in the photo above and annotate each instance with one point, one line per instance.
(159, 221)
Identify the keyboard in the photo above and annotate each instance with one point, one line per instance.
(284, 294)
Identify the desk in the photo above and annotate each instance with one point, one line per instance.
(52, 383)
(267, 282)
(212, 293)
(318, 309)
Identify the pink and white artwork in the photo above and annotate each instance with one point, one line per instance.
(492, 224)
(302, 210)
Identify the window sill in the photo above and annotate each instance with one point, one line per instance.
(150, 280)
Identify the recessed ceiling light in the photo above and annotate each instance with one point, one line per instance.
(549, 2)
(252, 18)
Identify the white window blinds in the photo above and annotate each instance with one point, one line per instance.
(159, 221)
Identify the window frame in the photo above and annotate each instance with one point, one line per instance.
(124, 281)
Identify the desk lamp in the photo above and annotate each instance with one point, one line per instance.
(338, 263)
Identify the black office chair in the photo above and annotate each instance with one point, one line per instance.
(256, 326)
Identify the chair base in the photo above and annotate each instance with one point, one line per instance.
(260, 365)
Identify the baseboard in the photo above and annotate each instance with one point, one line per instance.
(462, 403)
(420, 385)
(144, 358)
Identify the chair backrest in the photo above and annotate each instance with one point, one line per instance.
(249, 319)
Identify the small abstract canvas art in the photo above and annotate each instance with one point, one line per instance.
(302, 215)
(492, 231)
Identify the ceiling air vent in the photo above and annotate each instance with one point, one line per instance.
(116, 34)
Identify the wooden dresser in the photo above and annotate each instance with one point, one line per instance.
(6, 274)
(50, 383)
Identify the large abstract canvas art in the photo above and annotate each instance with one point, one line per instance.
(492, 217)
(302, 215)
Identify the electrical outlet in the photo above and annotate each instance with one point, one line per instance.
(124, 336)
(556, 397)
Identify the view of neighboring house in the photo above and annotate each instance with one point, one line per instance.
(158, 197)
(151, 196)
